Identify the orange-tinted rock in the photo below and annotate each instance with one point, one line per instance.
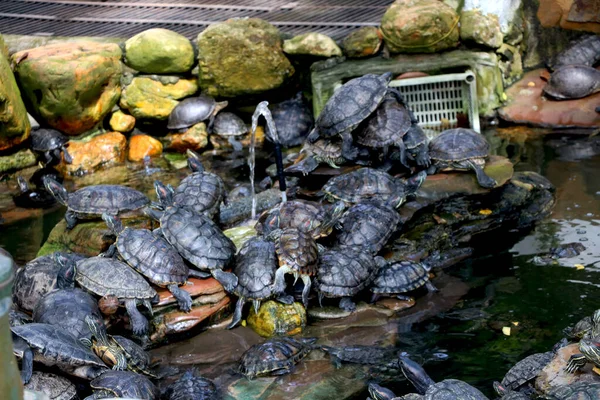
(100, 151)
(195, 138)
(195, 287)
(557, 13)
(141, 146)
(526, 105)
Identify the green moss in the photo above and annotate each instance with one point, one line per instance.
(19, 160)
(159, 51)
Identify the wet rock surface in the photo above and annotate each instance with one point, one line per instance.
(159, 51)
(141, 146)
(93, 152)
(194, 138)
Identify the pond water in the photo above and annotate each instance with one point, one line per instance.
(458, 333)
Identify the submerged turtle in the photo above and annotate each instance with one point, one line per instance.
(575, 391)
(123, 384)
(49, 143)
(93, 201)
(230, 126)
(191, 387)
(461, 149)
(194, 110)
(525, 371)
(417, 146)
(32, 198)
(107, 276)
(352, 103)
(276, 356)
(328, 151)
(52, 346)
(293, 119)
(381, 357)
(573, 82)
(56, 387)
(401, 277)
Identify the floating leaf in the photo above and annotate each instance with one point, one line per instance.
(485, 211)
(579, 266)
(506, 330)
(515, 323)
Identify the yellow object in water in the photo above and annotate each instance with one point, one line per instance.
(506, 330)
(579, 266)
(485, 211)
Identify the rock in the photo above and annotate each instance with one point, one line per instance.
(195, 287)
(70, 86)
(19, 160)
(312, 44)
(3, 48)
(559, 13)
(480, 28)
(121, 122)
(141, 146)
(510, 63)
(221, 143)
(159, 51)
(277, 319)
(195, 138)
(95, 152)
(419, 26)
(155, 98)
(240, 234)
(363, 42)
(241, 56)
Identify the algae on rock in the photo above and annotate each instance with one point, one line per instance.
(312, 44)
(159, 51)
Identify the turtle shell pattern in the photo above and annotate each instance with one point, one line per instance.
(136, 356)
(152, 256)
(326, 149)
(368, 226)
(201, 192)
(453, 389)
(400, 277)
(192, 387)
(344, 272)
(55, 386)
(388, 124)
(293, 119)
(198, 239)
(360, 185)
(110, 199)
(414, 137)
(255, 267)
(297, 250)
(126, 384)
(47, 139)
(272, 355)
(229, 124)
(458, 144)
(526, 370)
(107, 276)
(575, 391)
(299, 214)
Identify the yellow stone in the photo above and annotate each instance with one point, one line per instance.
(141, 146)
(195, 138)
(277, 319)
(485, 211)
(121, 122)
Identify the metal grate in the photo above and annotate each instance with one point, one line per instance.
(116, 18)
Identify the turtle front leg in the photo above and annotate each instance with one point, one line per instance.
(236, 144)
(431, 287)
(305, 292)
(139, 323)
(348, 150)
(576, 362)
(484, 180)
(48, 158)
(422, 157)
(67, 155)
(183, 298)
(402, 150)
(71, 219)
(198, 274)
(237, 314)
(27, 365)
(347, 304)
(112, 250)
(227, 279)
(279, 285)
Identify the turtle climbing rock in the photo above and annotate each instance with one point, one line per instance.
(401, 277)
(416, 144)
(194, 110)
(231, 127)
(519, 377)
(49, 144)
(328, 151)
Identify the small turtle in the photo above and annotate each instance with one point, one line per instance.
(48, 144)
(460, 149)
(417, 146)
(32, 198)
(381, 357)
(573, 82)
(123, 384)
(276, 356)
(378, 392)
(230, 126)
(192, 387)
(54, 386)
(352, 103)
(107, 276)
(344, 272)
(328, 151)
(52, 346)
(93, 201)
(401, 277)
(194, 110)
(588, 327)
(518, 378)
(294, 120)
(583, 51)
(575, 391)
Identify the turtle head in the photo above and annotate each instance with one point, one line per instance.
(155, 211)
(499, 389)
(387, 76)
(596, 318)
(332, 217)
(396, 199)
(66, 272)
(113, 223)
(415, 374)
(23, 186)
(56, 189)
(164, 193)
(193, 161)
(380, 393)
(414, 182)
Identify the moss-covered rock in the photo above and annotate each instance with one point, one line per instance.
(70, 86)
(19, 160)
(277, 319)
(159, 51)
(241, 56)
(3, 47)
(121, 122)
(312, 44)
(480, 28)
(94, 152)
(363, 42)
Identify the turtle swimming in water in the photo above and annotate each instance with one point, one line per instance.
(32, 198)
(401, 277)
(191, 387)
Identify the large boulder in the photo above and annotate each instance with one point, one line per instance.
(241, 56)
(312, 44)
(363, 42)
(159, 51)
(70, 86)
(419, 26)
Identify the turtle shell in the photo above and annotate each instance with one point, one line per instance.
(386, 126)
(126, 384)
(152, 256)
(192, 387)
(54, 386)
(414, 137)
(453, 389)
(400, 277)
(255, 267)
(297, 250)
(107, 276)
(136, 356)
(110, 199)
(67, 308)
(45, 139)
(274, 355)
(367, 226)
(526, 370)
(191, 111)
(293, 119)
(574, 391)
(344, 272)
(200, 191)
(229, 124)
(351, 104)
(299, 214)
(198, 239)
(458, 144)
(360, 185)
(326, 149)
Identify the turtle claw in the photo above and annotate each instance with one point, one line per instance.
(184, 299)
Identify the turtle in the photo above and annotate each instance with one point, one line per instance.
(68, 308)
(379, 392)
(344, 272)
(383, 358)
(18, 318)
(589, 348)
(93, 201)
(37, 178)
(575, 391)
(123, 384)
(507, 394)
(416, 144)
(52, 346)
(352, 103)
(198, 239)
(583, 51)
(107, 276)
(401, 277)
(56, 387)
(573, 82)
(152, 256)
(587, 327)
(276, 356)
(48, 144)
(460, 149)
(328, 151)
(293, 119)
(230, 126)
(32, 198)
(193, 110)
(519, 377)
(191, 387)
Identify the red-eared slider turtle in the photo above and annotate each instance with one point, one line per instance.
(417, 146)
(293, 119)
(276, 356)
(525, 371)
(575, 391)
(401, 277)
(52, 346)
(590, 353)
(67, 309)
(460, 149)
(352, 103)
(192, 387)
(583, 51)
(194, 110)
(32, 198)
(48, 144)
(123, 384)
(230, 126)
(107, 276)
(378, 392)
(573, 82)
(152, 256)
(54, 386)
(344, 272)
(93, 201)
(328, 151)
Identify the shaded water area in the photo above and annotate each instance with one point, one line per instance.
(457, 332)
